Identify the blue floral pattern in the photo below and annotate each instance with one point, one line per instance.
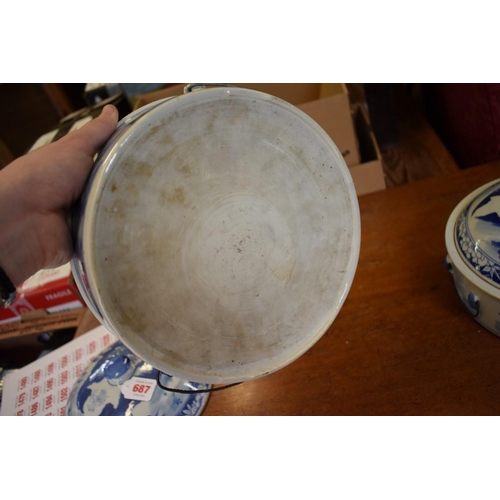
(473, 254)
(98, 390)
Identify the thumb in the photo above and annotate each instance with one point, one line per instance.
(94, 134)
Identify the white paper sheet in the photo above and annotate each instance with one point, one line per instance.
(43, 387)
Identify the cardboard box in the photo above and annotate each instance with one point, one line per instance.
(333, 115)
(49, 291)
(368, 176)
(8, 315)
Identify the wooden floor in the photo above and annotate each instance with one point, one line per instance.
(419, 152)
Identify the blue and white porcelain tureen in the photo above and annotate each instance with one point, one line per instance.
(473, 245)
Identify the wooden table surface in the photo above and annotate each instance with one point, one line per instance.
(402, 344)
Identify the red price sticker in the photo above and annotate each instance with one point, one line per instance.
(138, 388)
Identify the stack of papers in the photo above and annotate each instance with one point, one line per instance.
(43, 387)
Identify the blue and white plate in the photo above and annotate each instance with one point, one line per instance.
(105, 386)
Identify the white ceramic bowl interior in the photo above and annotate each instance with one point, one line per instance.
(222, 235)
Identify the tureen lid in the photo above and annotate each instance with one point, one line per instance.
(477, 234)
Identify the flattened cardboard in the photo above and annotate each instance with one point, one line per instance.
(368, 176)
(333, 115)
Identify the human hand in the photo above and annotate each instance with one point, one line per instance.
(37, 190)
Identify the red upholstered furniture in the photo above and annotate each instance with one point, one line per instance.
(467, 118)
